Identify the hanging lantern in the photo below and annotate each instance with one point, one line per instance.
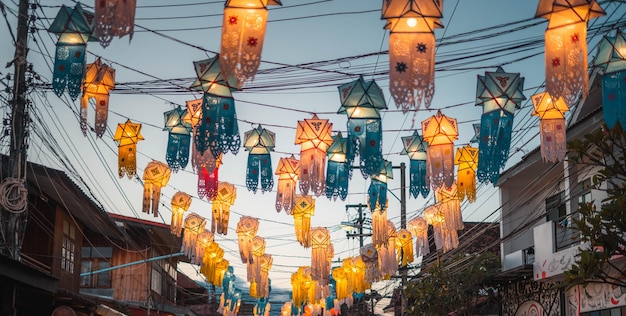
(114, 18)
(499, 93)
(202, 242)
(261, 285)
(467, 161)
(74, 28)
(180, 204)
(155, 176)
(379, 227)
(551, 113)
(440, 132)
(243, 34)
(208, 180)
(314, 137)
(404, 244)
(320, 266)
(355, 273)
(445, 239)
(220, 270)
(179, 139)
(377, 192)
(220, 204)
(194, 224)
(288, 171)
(127, 136)
(99, 81)
(412, 26)
(362, 101)
(339, 168)
(257, 247)
(419, 229)
(387, 260)
(417, 150)
(341, 283)
(304, 208)
(193, 117)
(247, 228)
(213, 254)
(612, 57)
(300, 283)
(450, 207)
(566, 45)
(369, 255)
(259, 142)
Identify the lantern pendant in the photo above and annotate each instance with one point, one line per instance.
(213, 254)
(303, 210)
(611, 56)
(179, 139)
(193, 116)
(127, 136)
(155, 176)
(369, 255)
(379, 228)
(180, 204)
(288, 171)
(314, 137)
(203, 240)
(194, 224)
(261, 286)
(404, 244)
(417, 150)
(419, 229)
(114, 18)
(551, 113)
(247, 228)
(467, 161)
(440, 132)
(99, 81)
(220, 205)
(259, 142)
(338, 171)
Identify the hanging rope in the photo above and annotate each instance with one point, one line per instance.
(13, 195)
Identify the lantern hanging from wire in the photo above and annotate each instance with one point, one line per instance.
(611, 56)
(247, 228)
(179, 139)
(304, 208)
(362, 102)
(181, 202)
(257, 247)
(262, 305)
(213, 254)
(355, 272)
(379, 227)
(412, 26)
(450, 206)
(220, 205)
(566, 45)
(260, 288)
(339, 170)
(202, 242)
(417, 150)
(300, 282)
(288, 171)
(445, 239)
(193, 225)
(419, 229)
(551, 113)
(440, 132)
(404, 246)
(220, 270)
(341, 283)
(155, 176)
(208, 180)
(387, 259)
(314, 137)
(127, 136)
(259, 142)
(377, 192)
(114, 18)
(74, 28)
(369, 256)
(500, 94)
(243, 34)
(466, 159)
(99, 81)
(193, 117)
(320, 266)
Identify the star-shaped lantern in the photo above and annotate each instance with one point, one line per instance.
(417, 150)
(99, 81)
(127, 136)
(551, 113)
(259, 142)
(314, 137)
(155, 176)
(440, 132)
(466, 159)
(179, 138)
(288, 171)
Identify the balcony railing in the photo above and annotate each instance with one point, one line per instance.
(566, 233)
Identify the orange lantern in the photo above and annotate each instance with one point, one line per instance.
(114, 18)
(127, 136)
(369, 255)
(551, 113)
(379, 227)
(213, 254)
(288, 171)
(194, 224)
(404, 244)
(314, 137)
(262, 283)
(467, 161)
(320, 266)
(440, 132)
(355, 274)
(341, 283)
(258, 250)
(247, 228)
(220, 270)
(99, 80)
(302, 212)
(221, 203)
(445, 239)
(180, 204)
(155, 176)
(387, 260)
(301, 281)
(202, 242)
(419, 229)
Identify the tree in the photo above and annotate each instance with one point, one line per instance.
(602, 231)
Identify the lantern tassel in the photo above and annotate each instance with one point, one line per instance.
(566, 61)
(337, 176)
(177, 156)
(553, 142)
(379, 228)
(312, 177)
(441, 165)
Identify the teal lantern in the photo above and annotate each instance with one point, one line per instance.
(179, 139)
(259, 142)
(612, 57)
(377, 191)
(339, 169)
(416, 148)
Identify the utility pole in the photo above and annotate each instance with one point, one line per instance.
(359, 223)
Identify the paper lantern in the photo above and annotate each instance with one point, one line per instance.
(551, 113)
(261, 285)
(387, 260)
(243, 34)
(179, 138)
(301, 281)
(417, 150)
(127, 136)
(99, 81)
(419, 229)
(220, 205)
(339, 168)
(257, 247)
(213, 254)
(288, 171)
(193, 225)
(181, 202)
(208, 180)
(202, 242)
(445, 239)
(320, 266)
(379, 227)
(314, 137)
(466, 159)
(304, 208)
(412, 26)
(220, 268)
(114, 18)
(355, 273)
(341, 283)
(155, 176)
(193, 117)
(404, 245)
(450, 206)
(259, 142)
(362, 102)
(377, 192)
(611, 56)
(499, 93)
(247, 228)
(369, 256)
(74, 28)
(440, 132)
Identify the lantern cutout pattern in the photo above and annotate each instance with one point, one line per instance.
(566, 45)
(179, 138)
(259, 142)
(218, 130)
(445, 238)
(404, 246)
(114, 18)
(440, 132)
(208, 181)
(181, 202)
(339, 169)
(417, 150)
(203, 240)
(412, 26)
(220, 205)
(99, 81)
(377, 192)
(288, 171)
(369, 256)
(320, 265)
(387, 259)
(362, 102)
(193, 225)
(500, 94)
(247, 228)
(419, 229)
(74, 28)
(466, 159)
(314, 137)
(243, 34)
(551, 113)
(127, 136)
(611, 56)
(304, 209)
(155, 176)
(450, 207)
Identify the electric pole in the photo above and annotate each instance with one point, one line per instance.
(359, 224)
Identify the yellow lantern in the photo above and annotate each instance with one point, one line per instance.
(300, 283)
(341, 283)
(440, 132)
(114, 18)
(419, 229)
(127, 136)
(99, 80)
(213, 254)
(445, 239)
(387, 260)
(202, 242)
(404, 244)
(288, 171)
(194, 224)
(220, 270)
(369, 255)
(467, 161)
(551, 113)
(314, 137)
(355, 274)
(181, 202)
(320, 265)
(155, 176)
(247, 228)
(302, 212)
(566, 45)
(220, 204)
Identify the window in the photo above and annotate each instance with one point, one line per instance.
(585, 191)
(555, 207)
(96, 259)
(68, 247)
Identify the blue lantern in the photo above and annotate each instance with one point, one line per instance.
(612, 57)
(259, 142)
(378, 187)
(179, 139)
(339, 169)
(416, 149)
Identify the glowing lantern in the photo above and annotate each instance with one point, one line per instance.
(194, 224)
(180, 204)
(314, 137)
(467, 161)
(220, 204)
(419, 229)
(179, 139)
(247, 228)
(612, 57)
(377, 192)
(320, 266)
(404, 244)
(341, 283)
(417, 150)
(355, 272)
(338, 171)
(450, 206)
(301, 281)
(387, 260)
(551, 113)
(193, 117)
(288, 171)
(99, 80)
(303, 210)
(202, 242)
(440, 132)
(258, 250)
(243, 34)
(369, 255)
(499, 93)
(75, 29)
(379, 227)
(412, 26)
(213, 254)
(362, 101)
(155, 176)
(261, 285)
(220, 269)
(259, 142)
(208, 180)
(445, 239)
(127, 136)
(114, 18)
(566, 45)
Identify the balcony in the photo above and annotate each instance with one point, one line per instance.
(556, 245)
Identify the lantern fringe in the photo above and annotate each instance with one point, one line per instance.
(259, 168)
(208, 184)
(286, 195)
(151, 198)
(220, 205)
(441, 165)
(177, 154)
(614, 98)
(312, 171)
(337, 176)
(369, 255)
(553, 139)
(366, 134)
(377, 195)
(102, 112)
(404, 242)
(379, 228)
(219, 130)
(127, 160)
(419, 182)
(419, 229)
(114, 18)
(69, 69)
